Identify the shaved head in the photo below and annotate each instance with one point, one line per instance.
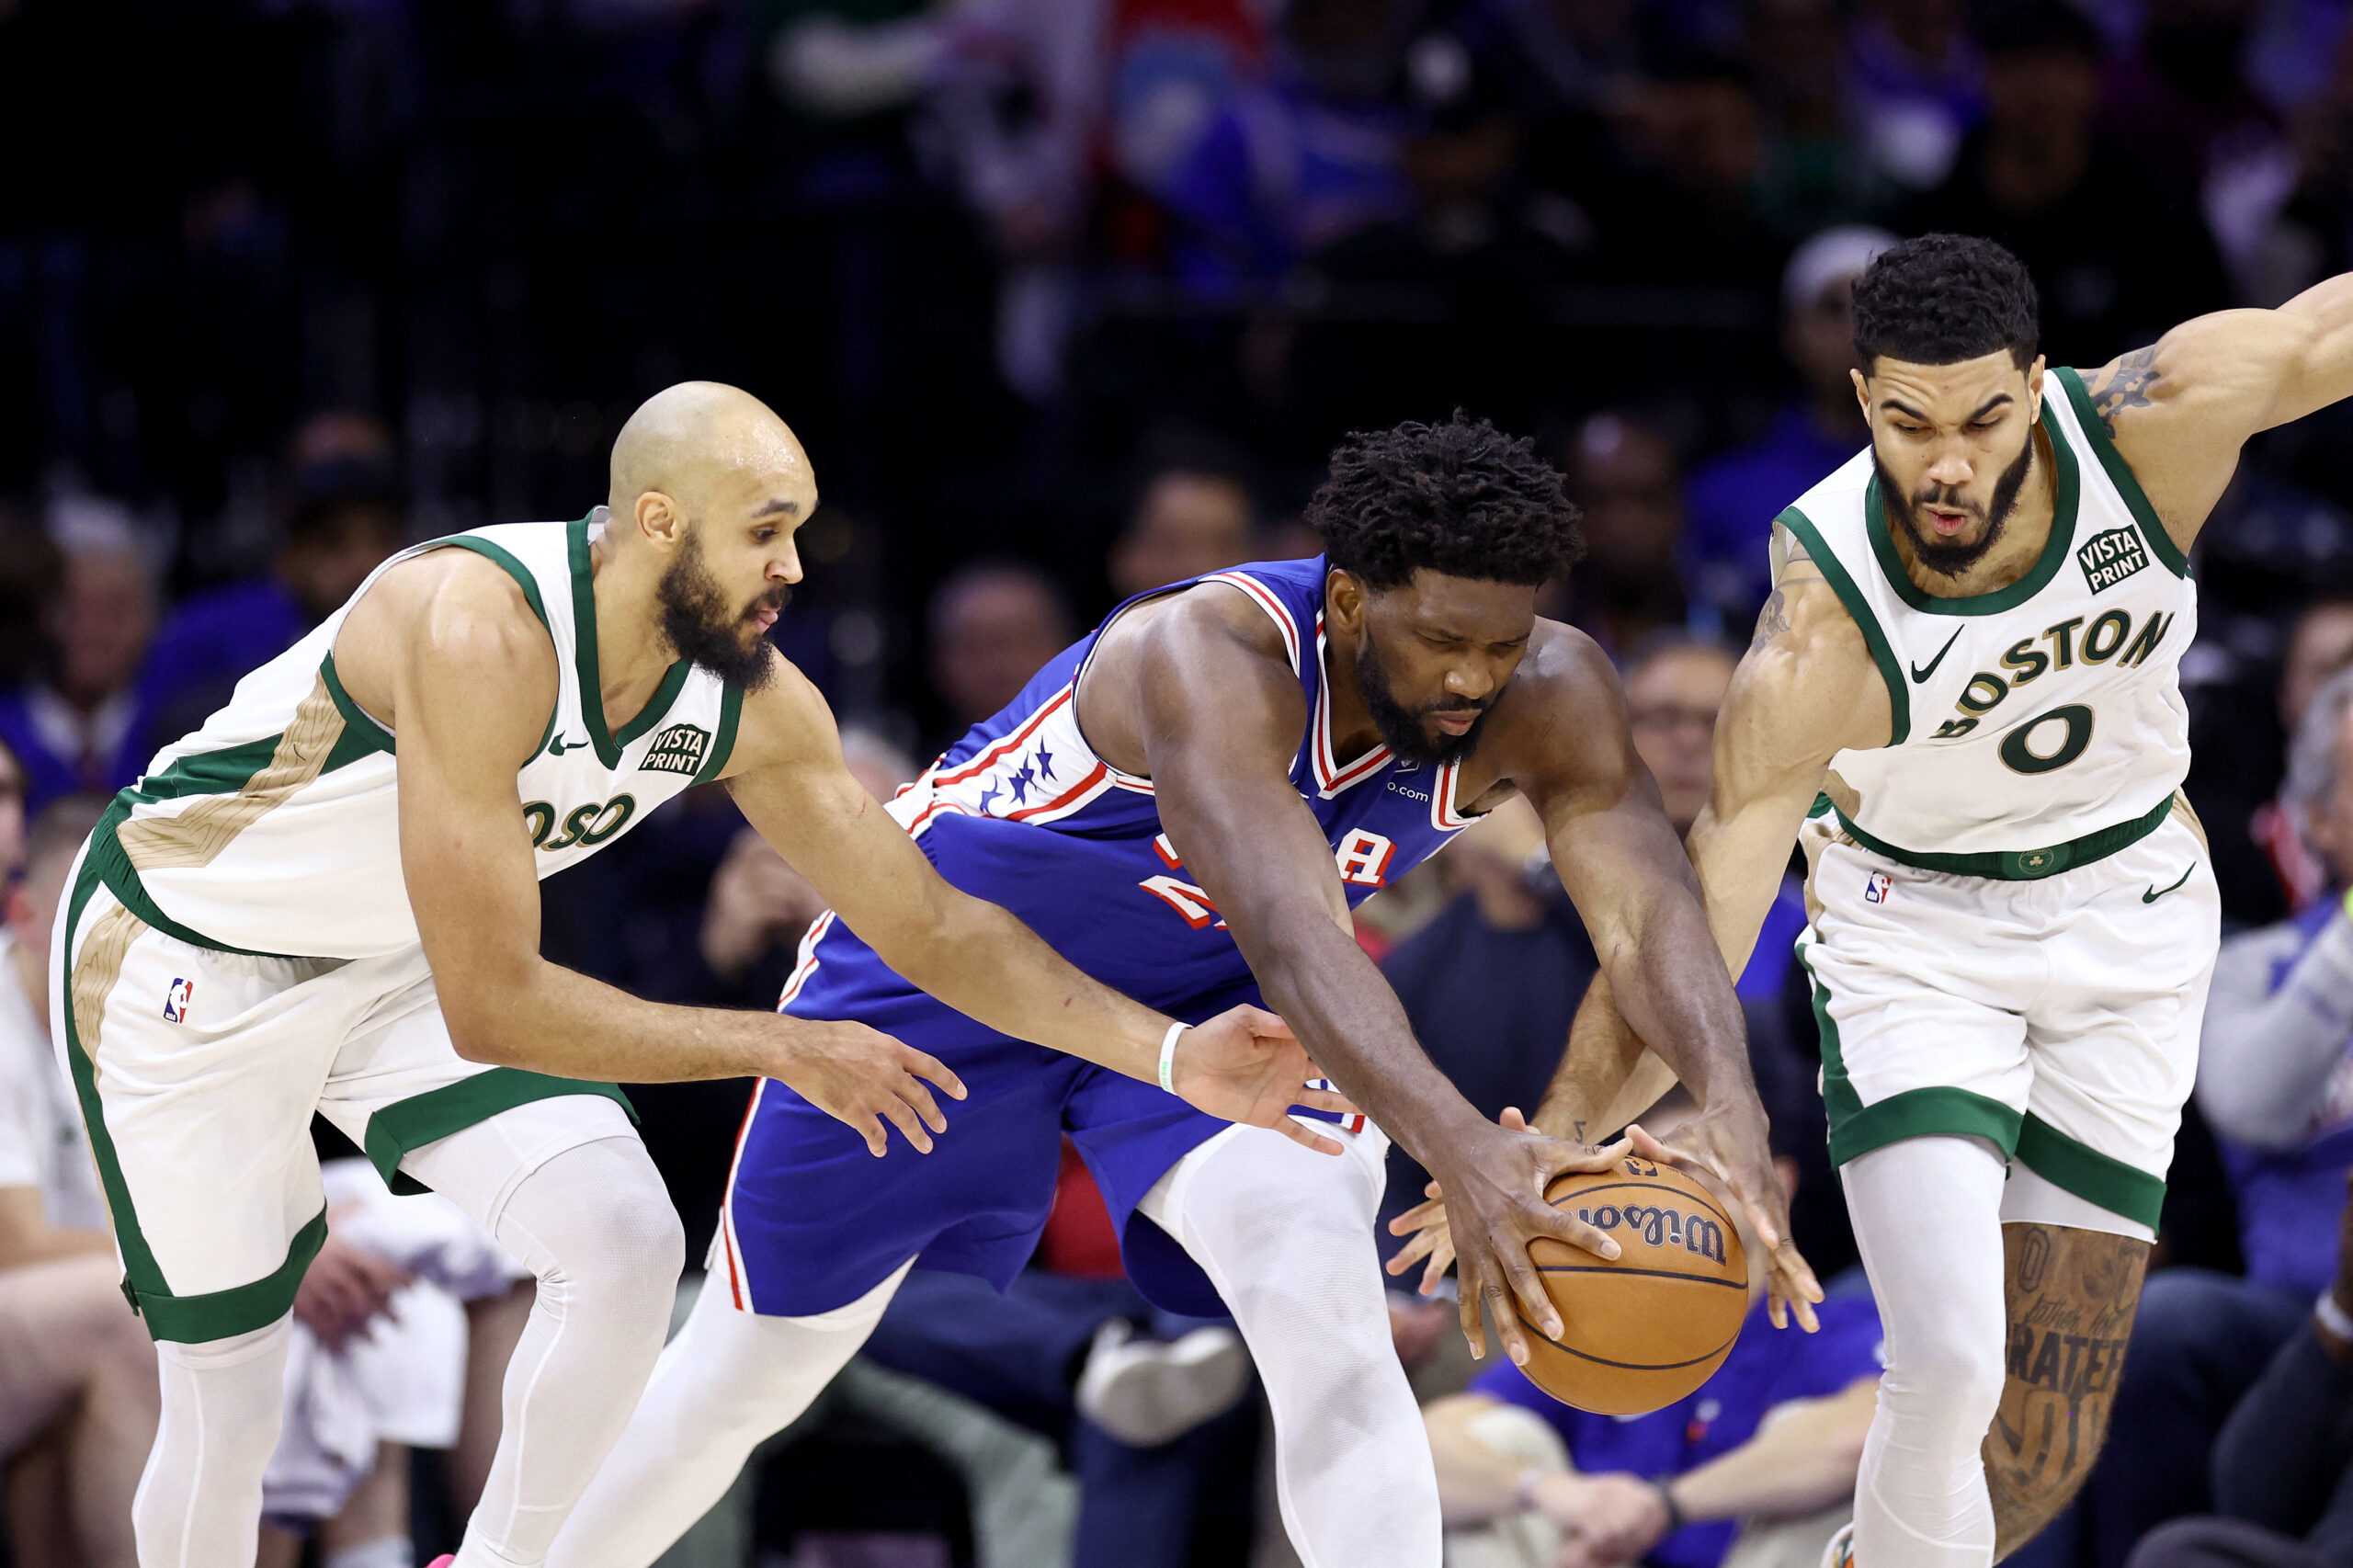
(708, 479)
(686, 438)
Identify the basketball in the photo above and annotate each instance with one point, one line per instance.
(1640, 1331)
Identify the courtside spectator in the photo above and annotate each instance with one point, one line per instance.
(2275, 1081)
(1731, 500)
(1189, 522)
(1623, 474)
(74, 724)
(993, 623)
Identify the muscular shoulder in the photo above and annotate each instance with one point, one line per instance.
(1809, 682)
(1563, 715)
(446, 622)
(784, 722)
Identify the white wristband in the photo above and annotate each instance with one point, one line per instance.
(2332, 1316)
(1168, 1056)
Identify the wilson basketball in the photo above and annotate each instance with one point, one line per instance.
(1642, 1330)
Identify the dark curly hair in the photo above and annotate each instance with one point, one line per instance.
(1461, 499)
(1941, 298)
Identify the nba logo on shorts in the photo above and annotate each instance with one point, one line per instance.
(1877, 887)
(176, 999)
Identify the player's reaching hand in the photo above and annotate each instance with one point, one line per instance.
(861, 1077)
(1494, 1185)
(1730, 1147)
(1245, 1065)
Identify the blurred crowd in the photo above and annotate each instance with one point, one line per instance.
(1068, 300)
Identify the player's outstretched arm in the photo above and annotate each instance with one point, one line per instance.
(788, 776)
(2181, 409)
(1219, 716)
(472, 677)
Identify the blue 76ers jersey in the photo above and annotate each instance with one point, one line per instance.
(1022, 813)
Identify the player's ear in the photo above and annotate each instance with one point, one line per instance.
(660, 518)
(1344, 601)
(2034, 387)
(1862, 394)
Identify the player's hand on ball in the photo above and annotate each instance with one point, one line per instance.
(1245, 1065)
(1424, 1225)
(1730, 1146)
(862, 1078)
(1495, 1193)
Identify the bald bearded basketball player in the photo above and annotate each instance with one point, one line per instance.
(326, 900)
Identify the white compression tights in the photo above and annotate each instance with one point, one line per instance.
(1928, 1216)
(1286, 1235)
(592, 1221)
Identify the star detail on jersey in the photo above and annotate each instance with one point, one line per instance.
(1045, 763)
(2155, 893)
(1022, 778)
(988, 795)
(1919, 674)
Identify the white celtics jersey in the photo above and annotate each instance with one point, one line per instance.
(275, 828)
(2038, 726)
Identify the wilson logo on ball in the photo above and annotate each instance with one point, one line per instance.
(1661, 1226)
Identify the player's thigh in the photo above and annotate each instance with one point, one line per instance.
(197, 1072)
(399, 1090)
(1917, 1040)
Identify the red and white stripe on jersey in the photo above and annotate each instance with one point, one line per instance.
(1330, 776)
(1443, 814)
(1275, 607)
(739, 1288)
(1040, 773)
(808, 963)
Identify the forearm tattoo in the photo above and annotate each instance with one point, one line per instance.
(2125, 387)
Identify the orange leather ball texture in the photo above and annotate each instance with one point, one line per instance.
(1640, 1331)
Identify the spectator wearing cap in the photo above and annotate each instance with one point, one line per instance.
(346, 520)
(1777, 1431)
(2038, 179)
(2275, 1082)
(74, 724)
(1732, 500)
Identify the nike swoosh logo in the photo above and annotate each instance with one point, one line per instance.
(557, 748)
(1919, 674)
(2155, 893)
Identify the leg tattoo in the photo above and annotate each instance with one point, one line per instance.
(2072, 1296)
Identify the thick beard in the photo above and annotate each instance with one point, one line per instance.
(1952, 559)
(1402, 729)
(704, 630)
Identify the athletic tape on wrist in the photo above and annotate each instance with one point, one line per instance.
(1168, 1056)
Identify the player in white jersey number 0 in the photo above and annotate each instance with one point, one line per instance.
(1962, 699)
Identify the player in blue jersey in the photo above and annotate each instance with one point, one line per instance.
(1186, 804)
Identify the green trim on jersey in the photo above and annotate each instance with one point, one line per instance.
(421, 1119)
(505, 557)
(1856, 1129)
(723, 746)
(2019, 865)
(2120, 475)
(2068, 494)
(1899, 697)
(216, 1314)
(2091, 1175)
(584, 643)
(361, 733)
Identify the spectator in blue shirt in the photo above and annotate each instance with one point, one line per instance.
(345, 521)
(74, 724)
(1777, 1432)
(1730, 502)
(2275, 1081)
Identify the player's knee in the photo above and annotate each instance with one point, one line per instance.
(1956, 1372)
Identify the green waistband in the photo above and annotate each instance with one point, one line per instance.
(2016, 865)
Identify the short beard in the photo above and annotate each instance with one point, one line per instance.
(1952, 559)
(1402, 728)
(704, 630)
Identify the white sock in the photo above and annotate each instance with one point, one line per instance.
(729, 1380)
(199, 1503)
(594, 1223)
(1927, 1215)
(386, 1552)
(1286, 1236)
